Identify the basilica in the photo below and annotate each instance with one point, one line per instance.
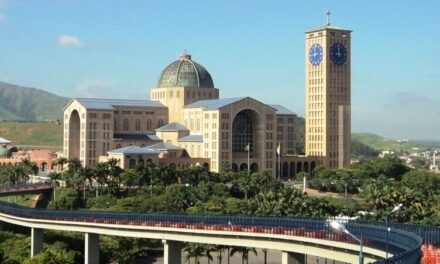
(187, 123)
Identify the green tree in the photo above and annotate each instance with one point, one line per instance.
(54, 177)
(130, 178)
(53, 254)
(244, 252)
(69, 199)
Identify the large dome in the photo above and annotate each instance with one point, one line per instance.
(185, 72)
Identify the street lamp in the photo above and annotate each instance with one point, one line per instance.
(340, 228)
(395, 209)
(248, 149)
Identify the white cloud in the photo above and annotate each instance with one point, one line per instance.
(94, 89)
(2, 11)
(69, 41)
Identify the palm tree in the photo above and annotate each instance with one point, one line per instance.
(61, 161)
(244, 252)
(29, 168)
(265, 255)
(114, 171)
(54, 177)
(193, 251)
(84, 174)
(101, 176)
(220, 250)
(207, 252)
(73, 167)
(243, 183)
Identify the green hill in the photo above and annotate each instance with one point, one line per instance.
(29, 104)
(33, 134)
(380, 143)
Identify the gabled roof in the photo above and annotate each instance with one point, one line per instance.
(191, 138)
(110, 104)
(172, 127)
(281, 110)
(136, 137)
(215, 103)
(4, 141)
(163, 146)
(134, 150)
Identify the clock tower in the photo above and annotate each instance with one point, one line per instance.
(328, 94)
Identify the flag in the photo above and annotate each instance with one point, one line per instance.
(279, 149)
(246, 147)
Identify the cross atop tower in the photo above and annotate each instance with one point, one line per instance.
(328, 13)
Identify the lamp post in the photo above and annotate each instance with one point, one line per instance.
(395, 209)
(340, 228)
(247, 148)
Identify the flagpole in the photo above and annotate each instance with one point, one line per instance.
(279, 160)
(248, 163)
(279, 166)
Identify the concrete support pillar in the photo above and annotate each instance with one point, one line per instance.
(91, 251)
(172, 252)
(36, 241)
(292, 258)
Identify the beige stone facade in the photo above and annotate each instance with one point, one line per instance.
(328, 95)
(92, 127)
(186, 123)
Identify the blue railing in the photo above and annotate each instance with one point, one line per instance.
(406, 241)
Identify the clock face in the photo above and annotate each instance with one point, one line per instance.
(338, 54)
(315, 54)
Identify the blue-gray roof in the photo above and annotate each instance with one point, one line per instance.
(136, 137)
(192, 138)
(163, 146)
(134, 150)
(281, 110)
(172, 127)
(110, 104)
(186, 73)
(215, 103)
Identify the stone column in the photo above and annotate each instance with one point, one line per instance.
(292, 258)
(91, 251)
(172, 252)
(36, 241)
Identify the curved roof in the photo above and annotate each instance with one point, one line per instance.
(185, 72)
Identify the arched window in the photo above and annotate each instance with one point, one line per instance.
(125, 125)
(243, 133)
(131, 163)
(149, 125)
(138, 125)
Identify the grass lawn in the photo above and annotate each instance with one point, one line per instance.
(33, 135)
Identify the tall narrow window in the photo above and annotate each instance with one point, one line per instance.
(138, 125)
(149, 125)
(125, 125)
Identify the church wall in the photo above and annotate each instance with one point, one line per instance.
(139, 120)
(175, 98)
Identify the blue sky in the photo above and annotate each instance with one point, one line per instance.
(117, 49)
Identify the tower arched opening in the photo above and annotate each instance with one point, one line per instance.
(74, 135)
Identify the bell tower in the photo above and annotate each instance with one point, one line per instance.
(328, 94)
